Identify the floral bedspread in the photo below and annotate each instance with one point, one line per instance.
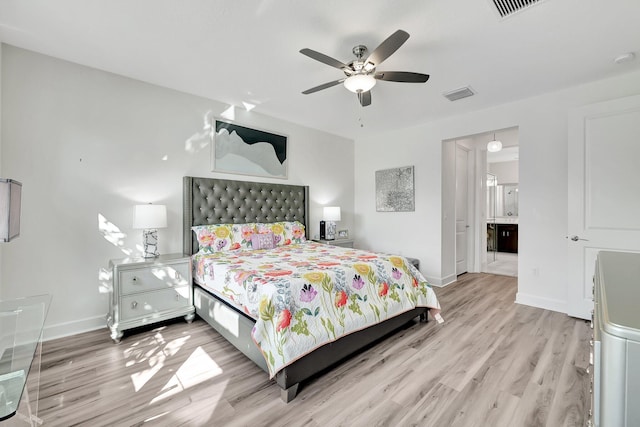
(306, 295)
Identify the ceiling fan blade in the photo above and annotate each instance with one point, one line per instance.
(401, 76)
(324, 58)
(387, 47)
(364, 98)
(323, 86)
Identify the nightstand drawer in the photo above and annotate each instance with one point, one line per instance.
(134, 306)
(151, 278)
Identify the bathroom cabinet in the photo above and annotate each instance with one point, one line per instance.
(507, 240)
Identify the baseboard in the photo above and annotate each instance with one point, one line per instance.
(541, 302)
(66, 329)
(441, 282)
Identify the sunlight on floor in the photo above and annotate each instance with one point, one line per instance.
(152, 352)
(199, 367)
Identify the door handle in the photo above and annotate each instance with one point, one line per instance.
(576, 238)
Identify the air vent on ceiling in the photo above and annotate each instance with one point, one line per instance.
(460, 93)
(509, 7)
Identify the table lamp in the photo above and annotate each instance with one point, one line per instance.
(331, 214)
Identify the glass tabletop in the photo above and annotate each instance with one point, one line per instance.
(21, 322)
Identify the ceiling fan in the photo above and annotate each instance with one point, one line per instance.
(361, 74)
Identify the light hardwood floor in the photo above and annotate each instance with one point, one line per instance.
(492, 363)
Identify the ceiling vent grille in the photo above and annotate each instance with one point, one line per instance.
(460, 93)
(509, 7)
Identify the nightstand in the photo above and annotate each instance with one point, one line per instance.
(345, 243)
(149, 290)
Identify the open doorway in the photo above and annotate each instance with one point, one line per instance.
(487, 230)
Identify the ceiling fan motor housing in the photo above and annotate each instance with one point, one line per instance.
(359, 51)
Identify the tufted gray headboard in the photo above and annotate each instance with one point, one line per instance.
(223, 201)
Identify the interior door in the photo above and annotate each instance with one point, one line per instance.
(604, 191)
(462, 208)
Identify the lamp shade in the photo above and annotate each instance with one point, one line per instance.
(149, 216)
(331, 213)
(360, 83)
(10, 200)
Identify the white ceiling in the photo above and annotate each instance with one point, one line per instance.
(234, 51)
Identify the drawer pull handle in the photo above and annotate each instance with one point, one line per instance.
(177, 297)
(134, 305)
(135, 279)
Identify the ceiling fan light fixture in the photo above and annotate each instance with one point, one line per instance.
(360, 83)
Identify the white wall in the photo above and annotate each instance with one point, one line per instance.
(542, 130)
(506, 172)
(87, 144)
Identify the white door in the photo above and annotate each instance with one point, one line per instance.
(604, 191)
(462, 224)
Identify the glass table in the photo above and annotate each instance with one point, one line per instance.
(21, 322)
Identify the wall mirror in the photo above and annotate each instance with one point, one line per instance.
(507, 200)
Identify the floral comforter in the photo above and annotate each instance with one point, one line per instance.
(306, 295)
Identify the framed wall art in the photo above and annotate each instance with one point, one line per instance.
(394, 190)
(242, 150)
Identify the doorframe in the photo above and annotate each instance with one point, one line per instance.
(476, 143)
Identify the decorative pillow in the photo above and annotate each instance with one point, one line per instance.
(284, 232)
(224, 237)
(263, 241)
(276, 228)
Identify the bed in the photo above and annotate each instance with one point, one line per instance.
(209, 201)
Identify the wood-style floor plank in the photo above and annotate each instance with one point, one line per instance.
(492, 362)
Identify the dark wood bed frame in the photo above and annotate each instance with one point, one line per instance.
(219, 201)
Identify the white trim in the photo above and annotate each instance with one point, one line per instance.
(541, 302)
(66, 329)
(441, 282)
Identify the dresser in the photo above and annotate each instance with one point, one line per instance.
(149, 290)
(616, 340)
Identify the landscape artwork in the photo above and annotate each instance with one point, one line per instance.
(394, 190)
(246, 151)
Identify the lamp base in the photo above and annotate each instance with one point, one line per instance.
(150, 243)
(330, 230)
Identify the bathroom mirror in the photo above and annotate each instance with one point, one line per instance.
(507, 200)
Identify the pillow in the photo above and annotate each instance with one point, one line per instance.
(224, 237)
(284, 232)
(263, 241)
(293, 232)
(276, 228)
